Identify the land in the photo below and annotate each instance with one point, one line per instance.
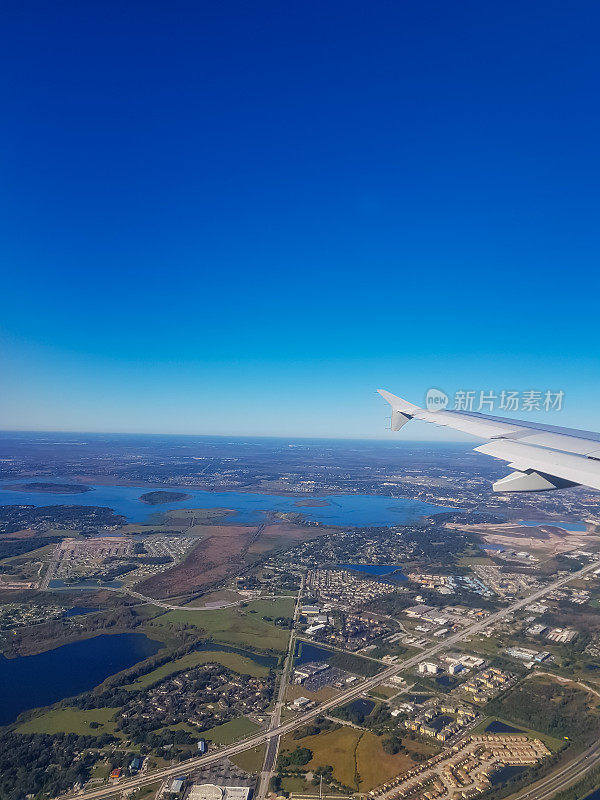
(217, 556)
(160, 496)
(488, 621)
(50, 488)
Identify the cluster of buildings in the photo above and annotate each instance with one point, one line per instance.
(442, 720)
(486, 684)
(560, 635)
(505, 584)
(315, 675)
(344, 587)
(449, 584)
(354, 631)
(463, 771)
(530, 657)
(204, 696)
(453, 664)
(74, 558)
(438, 622)
(17, 615)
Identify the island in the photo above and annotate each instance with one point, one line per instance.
(50, 488)
(312, 503)
(158, 497)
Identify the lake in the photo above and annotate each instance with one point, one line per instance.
(375, 569)
(31, 681)
(501, 727)
(78, 610)
(310, 652)
(345, 510)
(505, 774)
(270, 662)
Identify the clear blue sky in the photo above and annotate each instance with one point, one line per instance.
(246, 217)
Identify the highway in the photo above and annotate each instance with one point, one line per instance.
(349, 694)
(564, 777)
(273, 746)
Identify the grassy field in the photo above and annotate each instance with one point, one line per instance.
(299, 785)
(71, 720)
(230, 731)
(250, 760)
(234, 661)
(385, 692)
(357, 757)
(234, 625)
(275, 607)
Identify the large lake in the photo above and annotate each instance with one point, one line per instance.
(347, 510)
(40, 680)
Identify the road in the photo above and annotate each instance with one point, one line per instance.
(172, 606)
(352, 693)
(565, 777)
(273, 746)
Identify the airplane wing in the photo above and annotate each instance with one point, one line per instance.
(543, 457)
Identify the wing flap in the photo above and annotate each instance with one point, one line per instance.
(524, 457)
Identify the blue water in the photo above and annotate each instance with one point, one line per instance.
(67, 670)
(347, 510)
(265, 661)
(310, 652)
(506, 773)
(568, 526)
(501, 727)
(77, 610)
(375, 569)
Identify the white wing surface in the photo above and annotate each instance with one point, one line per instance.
(543, 457)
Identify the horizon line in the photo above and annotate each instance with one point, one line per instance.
(234, 436)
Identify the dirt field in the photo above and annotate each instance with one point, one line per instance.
(217, 556)
(285, 534)
(547, 538)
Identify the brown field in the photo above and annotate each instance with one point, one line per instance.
(285, 534)
(216, 557)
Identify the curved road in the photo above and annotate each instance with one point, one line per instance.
(354, 692)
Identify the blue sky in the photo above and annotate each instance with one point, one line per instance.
(246, 217)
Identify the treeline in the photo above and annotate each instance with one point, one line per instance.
(16, 547)
(34, 763)
(63, 630)
(551, 708)
(16, 518)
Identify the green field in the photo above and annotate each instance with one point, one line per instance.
(237, 625)
(71, 720)
(276, 607)
(357, 757)
(250, 760)
(234, 661)
(230, 731)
